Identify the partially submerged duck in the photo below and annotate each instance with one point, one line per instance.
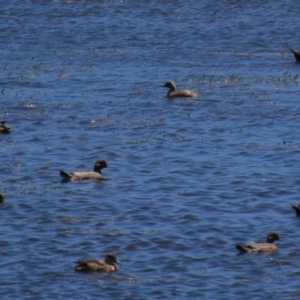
(297, 209)
(172, 93)
(3, 128)
(269, 246)
(83, 175)
(97, 265)
(1, 198)
(296, 54)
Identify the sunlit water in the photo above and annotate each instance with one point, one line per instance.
(189, 178)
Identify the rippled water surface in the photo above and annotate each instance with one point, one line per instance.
(188, 178)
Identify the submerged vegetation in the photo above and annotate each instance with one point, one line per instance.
(236, 78)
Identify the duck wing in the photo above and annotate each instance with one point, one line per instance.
(187, 93)
(92, 265)
(83, 175)
(265, 247)
(246, 248)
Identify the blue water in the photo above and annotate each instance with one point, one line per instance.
(188, 178)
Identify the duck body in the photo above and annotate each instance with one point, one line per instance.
(97, 265)
(296, 54)
(84, 175)
(3, 128)
(173, 93)
(269, 246)
(80, 175)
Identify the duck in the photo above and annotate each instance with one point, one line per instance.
(296, 54)
(297, 209)
(1, 198)
(172, 93)
(3, 128)
(97, 265)
(269, 246)
(83, 175)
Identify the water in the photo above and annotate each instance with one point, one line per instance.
(189, 178)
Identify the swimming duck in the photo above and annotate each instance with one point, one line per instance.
(172, 93)
(3, 128)
(97, 265)
(269, 246)
(1, 198)
(296, 54)
(83, 175)
(297, 209)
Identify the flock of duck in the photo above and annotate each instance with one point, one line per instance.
(109, 264)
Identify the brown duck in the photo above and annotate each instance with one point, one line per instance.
(296, 54)
(83, 175)
(172, 93)
(3, 128)
(269, 246)
(97, 265)
(297, 209)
